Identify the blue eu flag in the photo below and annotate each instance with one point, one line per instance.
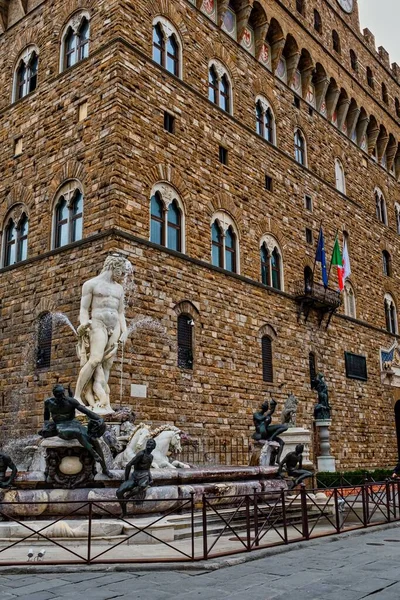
(321, 257)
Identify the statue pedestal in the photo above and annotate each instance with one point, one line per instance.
(325, 461)
(68, 464)
(294, 436)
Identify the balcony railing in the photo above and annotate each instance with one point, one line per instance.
(317, 295)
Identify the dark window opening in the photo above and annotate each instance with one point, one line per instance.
(300, 7)
(309, 236)
(169, 122)
(268, 183)
(185, 342)
(44, 338)
(308, 203)
(317, 21)
(353, 60)
(266, 344)
(336, 41)
(296, 101)
(370, 78)
(223, 155)
(387, 263)
(356, 366)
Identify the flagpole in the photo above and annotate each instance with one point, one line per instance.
(315, 259)
(330, 266)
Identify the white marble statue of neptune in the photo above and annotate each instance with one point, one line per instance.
(102, 327)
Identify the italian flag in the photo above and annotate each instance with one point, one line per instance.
(338, 261)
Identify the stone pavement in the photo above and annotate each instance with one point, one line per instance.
(353, 567)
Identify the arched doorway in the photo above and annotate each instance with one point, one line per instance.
(308, 280)
(397, 417)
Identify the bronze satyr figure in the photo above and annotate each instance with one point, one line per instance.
(294, 466)
(141, 480)
(264, 429)
(5, 464)
(61, 409)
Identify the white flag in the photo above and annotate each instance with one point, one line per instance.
(346, 262)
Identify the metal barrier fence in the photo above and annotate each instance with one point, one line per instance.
(207, 452)
(190, 529)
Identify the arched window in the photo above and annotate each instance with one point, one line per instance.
(271, 263)
(158, 45)
(174, 227)
(219, 87)
(68, 215)
(349, 300)
(317, 21)
(353, 60)
(224, 243)
(167, 48)
(26, 73)
(380, 207)
(185, 341)
(312, 369)
(276, 269)
(300, 148)
(265, 120)
(75, 45)
(230, 250)
(16, 241)
(390, 314)
(340, 177)
(385, 95)
(336, 41)
(157, 220)
(267, 363)
(300, 7)
(213, 87)
(370, 77)
(386, 263)
(397, 212)
(265, 265)
(217, 245)
(10, 244)
(167, 218)
(44, 339)
(397, 107)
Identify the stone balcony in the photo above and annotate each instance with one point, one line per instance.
(316, 296)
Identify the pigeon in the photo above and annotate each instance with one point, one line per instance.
(30, 554)
(41, 554)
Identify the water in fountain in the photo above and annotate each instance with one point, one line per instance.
(143, 322)
(59, 318)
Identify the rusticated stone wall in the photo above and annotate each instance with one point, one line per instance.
(121, 150)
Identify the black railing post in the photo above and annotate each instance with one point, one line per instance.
(335, 497)
(89, 546)
(205, 541)
(248, 523)
(192, 521)
(256, 540)
(283, 503)
(365, 504)
(387, 490)
(304, 511)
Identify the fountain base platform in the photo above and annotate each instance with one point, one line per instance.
(32, 496)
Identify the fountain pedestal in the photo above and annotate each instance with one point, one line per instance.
(68, 464)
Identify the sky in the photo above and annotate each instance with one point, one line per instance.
(382, 18)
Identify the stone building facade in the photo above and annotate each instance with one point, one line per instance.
(247, 123)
